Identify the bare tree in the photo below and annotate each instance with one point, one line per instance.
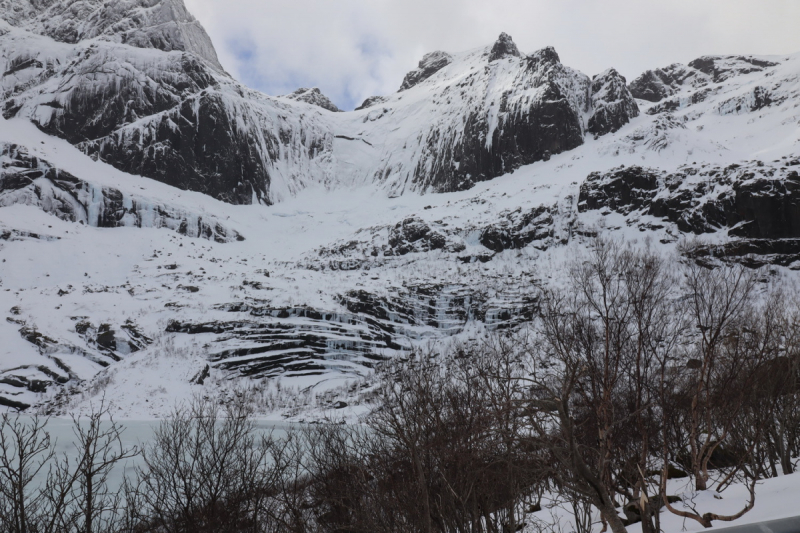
(25, 451)
(779, 383)
(715, 385)
(95, 505)
(42, 492)
(603, 337)
(441, 452)
(207, 469)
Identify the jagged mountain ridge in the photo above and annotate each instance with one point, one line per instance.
(113, 283)
(137, 84)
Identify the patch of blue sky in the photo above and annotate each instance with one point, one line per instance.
(278, 78)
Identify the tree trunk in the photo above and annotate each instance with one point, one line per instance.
(612, 518)
(88, 511)
(784, 454)
(423, 487)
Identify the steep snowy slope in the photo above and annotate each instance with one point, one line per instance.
(162, 24)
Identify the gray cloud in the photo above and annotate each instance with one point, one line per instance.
(352, 49)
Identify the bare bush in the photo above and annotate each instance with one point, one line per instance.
(74, 495)
(601, 341)
(207, 468)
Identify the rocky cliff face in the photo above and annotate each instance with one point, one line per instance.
(656, 85)
(223, 146)
(29, 180)
(535, 111)
(161, 24)
(486, 113)
(165, 111)
(612, 103)
(757, 204)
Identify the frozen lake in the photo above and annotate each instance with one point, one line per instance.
(137, 433)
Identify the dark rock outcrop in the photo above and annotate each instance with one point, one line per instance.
(623, 190)
(167, 123)
(750, 201)
(430, 64)
(104, 345)
(294, 341)
(313, 97)
(522, 130)
(78, 113)
(415, 235)
(172, 116)
(198, 145)
(504, 46)
(675, 104)
(754, 100)
(518, 229)
(721, 68)
(371, 101)
(753, 253)
(28, 180)
(655, 85)
(650, 86)
(755, 205)
(546, 55)
(612, 102)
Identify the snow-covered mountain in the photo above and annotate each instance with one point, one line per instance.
(131, 268)
(137, 84)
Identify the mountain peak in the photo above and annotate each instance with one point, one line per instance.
(504, 46)
(431, 63)
(313, 96)
(547, 54)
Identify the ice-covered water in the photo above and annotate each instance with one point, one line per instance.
(135, 434)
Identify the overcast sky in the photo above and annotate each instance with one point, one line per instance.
(352, 49)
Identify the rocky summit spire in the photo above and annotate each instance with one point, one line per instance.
(504, 46)
(431, 63)
(313, 97)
